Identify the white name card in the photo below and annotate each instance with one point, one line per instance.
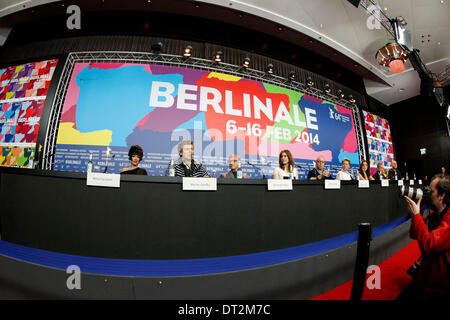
(411, 181)
(103, 180)
(400, 182)
(363, 184)
(199, 184)
(420, 181)
(279, 184)
(332, 184)
(385, 183)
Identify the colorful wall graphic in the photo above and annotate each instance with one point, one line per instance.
(379, 141)
(23, 90)
(117, 105)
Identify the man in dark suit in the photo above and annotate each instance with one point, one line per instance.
(394, 173)
(233, 164)
(379, 175)
(319, 173)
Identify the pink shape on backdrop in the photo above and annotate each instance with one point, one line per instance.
(69, 116)
(313, 99)
(73, 90)
(349, 144)
(109, 65)
(298, 150)
(142, 122)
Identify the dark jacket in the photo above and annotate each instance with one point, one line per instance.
(314, 174)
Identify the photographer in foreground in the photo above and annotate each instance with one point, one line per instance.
(433, 275)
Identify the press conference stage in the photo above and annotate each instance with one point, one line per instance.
(151, 239)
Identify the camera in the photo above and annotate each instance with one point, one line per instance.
(416, 193)
(412, 271)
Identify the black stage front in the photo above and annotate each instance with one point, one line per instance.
(153, 218)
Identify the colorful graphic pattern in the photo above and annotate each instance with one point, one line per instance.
(27, 80)
(23, 90)
(379, 141)
(119, 105)
(16, 156)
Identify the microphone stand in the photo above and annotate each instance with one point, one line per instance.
(259, 169)
(106, 167)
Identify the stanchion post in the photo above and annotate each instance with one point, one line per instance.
(362, 261)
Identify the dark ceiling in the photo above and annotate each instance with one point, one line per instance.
(184, 19)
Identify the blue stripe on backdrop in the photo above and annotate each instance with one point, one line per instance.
(185, 267)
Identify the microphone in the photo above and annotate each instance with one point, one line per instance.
(106, 167)
(257, 168)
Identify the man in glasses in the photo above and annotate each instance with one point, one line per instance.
(319, 172)
(233, 164)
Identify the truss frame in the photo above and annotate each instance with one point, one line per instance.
(180, 61)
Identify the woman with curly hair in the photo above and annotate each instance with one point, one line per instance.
(135, 154)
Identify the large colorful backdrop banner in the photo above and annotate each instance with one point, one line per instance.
(379, 140)
(23, 90)
(117, 105)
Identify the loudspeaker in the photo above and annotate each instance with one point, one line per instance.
(355, 2)
(4, 33)
(439, 95)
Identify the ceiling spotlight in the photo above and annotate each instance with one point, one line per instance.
(291, 75)
(327, 88)
(392, 56)
(218, 56)
(187, 51)
(340, 94)
(309, 81)
(351, 99)
(246, 63)
(269, 68)
(157, 47)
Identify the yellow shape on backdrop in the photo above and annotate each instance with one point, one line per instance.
(225, 77)
(68, 135)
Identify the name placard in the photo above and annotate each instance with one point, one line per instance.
(400, 182)
(385, 183)
(363, 184)
(199, 184)
(332, 184)
(279, 184)
(98, 179)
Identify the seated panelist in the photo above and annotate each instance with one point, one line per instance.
(233, 164)
(135, 154)
(379, 175)
(364, 171)
(286, 166)
(344, 174)
(185, 165)
(394, 173)
(319, 172)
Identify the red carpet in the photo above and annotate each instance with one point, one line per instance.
(393, 278)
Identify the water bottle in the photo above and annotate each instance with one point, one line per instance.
(89, 164)
(171, 169)
(31, 161)
(291, 173)
(239, 171)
